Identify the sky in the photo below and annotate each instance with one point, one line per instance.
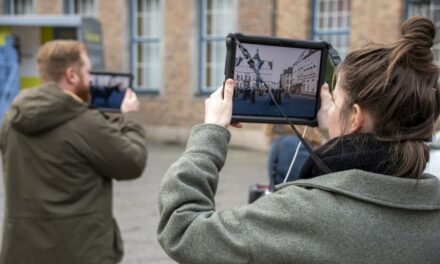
(281, 57)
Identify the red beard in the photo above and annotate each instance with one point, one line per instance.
(83, 91)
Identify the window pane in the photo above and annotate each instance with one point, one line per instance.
(219, 63)
(147, 54)
(217, 21)
(215, 56)
(140, 25)
(3, 7)
(208, 63)
(332, 22)
(148, 18)
(152, 61)
(23, 7)
(139, 77)
(140, 54)
(80, 7)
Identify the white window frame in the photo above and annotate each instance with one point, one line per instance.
(86, 8)
(147, 68)
(331, 24)
(19, 7)
(226, 11)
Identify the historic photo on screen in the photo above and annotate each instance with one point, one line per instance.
(291, 74)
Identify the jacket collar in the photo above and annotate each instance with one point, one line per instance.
(74, 96)
(422, 194)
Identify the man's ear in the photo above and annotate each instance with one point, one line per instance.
(357, 119)
(71, 75)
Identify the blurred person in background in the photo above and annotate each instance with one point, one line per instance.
(59, 158)
(282, 152)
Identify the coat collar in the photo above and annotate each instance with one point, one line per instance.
(404, 193)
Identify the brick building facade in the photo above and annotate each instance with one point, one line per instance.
(170, 111)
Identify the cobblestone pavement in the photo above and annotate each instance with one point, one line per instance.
(136, 202)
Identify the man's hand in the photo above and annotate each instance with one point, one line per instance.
(130, 102)
(218, 110)
(323, 114)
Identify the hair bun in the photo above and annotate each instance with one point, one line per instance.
(413, 50)
(419, 30)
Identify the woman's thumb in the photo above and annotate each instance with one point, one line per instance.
(325, 89)
(229, 89)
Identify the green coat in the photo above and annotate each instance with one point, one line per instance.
(346, 217)
(59, 159)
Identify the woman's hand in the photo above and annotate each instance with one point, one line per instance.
(323, 114)
(218, 110)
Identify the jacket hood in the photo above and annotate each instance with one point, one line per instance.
(384, 190)
(41, 109)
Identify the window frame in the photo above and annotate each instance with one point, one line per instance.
(408, 10)
(203, 40)
(69, 8)
(5, 7)
(315, 32)
(10, 9)
(136, 40)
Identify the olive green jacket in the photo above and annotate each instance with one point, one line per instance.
(345, 217)
(59, 159)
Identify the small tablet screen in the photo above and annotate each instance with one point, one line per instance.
(108, 89)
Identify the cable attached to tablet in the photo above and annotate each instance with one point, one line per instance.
(294, 157)
(306, 145)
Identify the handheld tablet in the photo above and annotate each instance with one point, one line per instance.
(271, 72)
(108, 89)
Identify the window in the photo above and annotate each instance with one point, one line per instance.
(23, 7)
(431, 9)
(16, 7)
(3, 7)
(146, 27)
(80, 7)
(217, 19)
(331, 23)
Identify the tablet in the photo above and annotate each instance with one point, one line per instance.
(108, 89)
(271, 73)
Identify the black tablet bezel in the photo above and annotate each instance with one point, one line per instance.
(124, 74)
(279, 42)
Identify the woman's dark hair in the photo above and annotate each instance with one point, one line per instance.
(398, 85)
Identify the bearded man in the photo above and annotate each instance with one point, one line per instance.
(59, 158)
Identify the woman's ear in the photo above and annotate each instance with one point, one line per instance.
(357, 119)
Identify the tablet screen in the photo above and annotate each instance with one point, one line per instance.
(291, 73)
(108, 89)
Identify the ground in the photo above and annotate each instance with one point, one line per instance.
(136, 201)
(294, 106)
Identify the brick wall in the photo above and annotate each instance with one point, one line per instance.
(48, 7)
(375, 20)
(175, 105)
(293, 19)
(171, 114)
(115, 31)
(177, 108)
(255, 17)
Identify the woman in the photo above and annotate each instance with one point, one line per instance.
(377, 207)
